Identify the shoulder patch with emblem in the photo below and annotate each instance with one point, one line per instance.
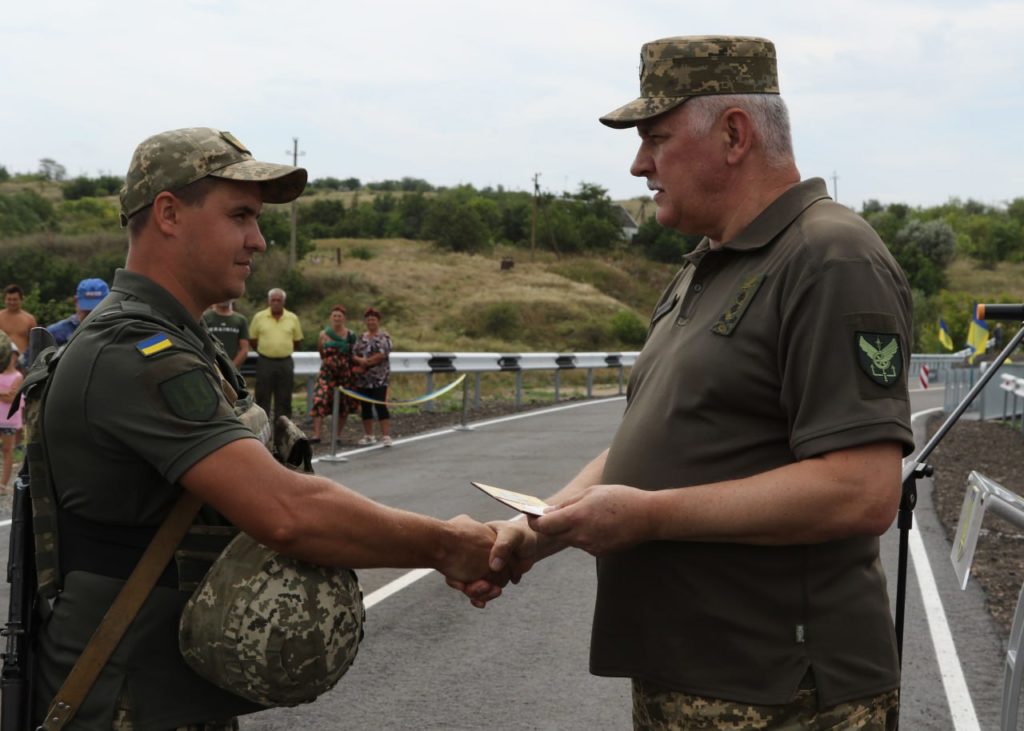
(154, 345)
(191, 395)
(879, 356)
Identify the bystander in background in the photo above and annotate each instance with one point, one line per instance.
(275, 333)
(335, 344)
(17, 322)
(371, 364)
(230, 328)
(90, 292)
(10, 425)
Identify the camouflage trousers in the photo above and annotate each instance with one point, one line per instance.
(123, 721)
(661, 709)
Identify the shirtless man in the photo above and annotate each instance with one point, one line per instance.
(17, 322)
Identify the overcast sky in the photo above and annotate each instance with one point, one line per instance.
(904, 100)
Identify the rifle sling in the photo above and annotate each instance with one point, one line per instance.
(121, 613)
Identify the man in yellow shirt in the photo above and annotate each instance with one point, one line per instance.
(275, 333)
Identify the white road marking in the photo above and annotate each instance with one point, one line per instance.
(961, 707)
(395, 586)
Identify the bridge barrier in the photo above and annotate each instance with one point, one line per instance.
(943, 368)
(307, 366)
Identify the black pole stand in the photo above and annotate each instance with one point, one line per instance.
(917, 468)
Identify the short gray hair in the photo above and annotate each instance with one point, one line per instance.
(768, 111)
(277, 290)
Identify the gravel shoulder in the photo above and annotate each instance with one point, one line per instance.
(994, 449)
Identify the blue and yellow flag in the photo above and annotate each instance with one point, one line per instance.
(944, 337)
(154, 345)
(977, 338)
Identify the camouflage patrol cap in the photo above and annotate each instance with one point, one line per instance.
(171, 160)
(674, 69)
(271, 629)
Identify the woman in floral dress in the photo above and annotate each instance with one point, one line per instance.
(335, 345)
(370, 359)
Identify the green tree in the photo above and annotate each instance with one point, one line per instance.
(663, 244)
(455, 224)
(80, 187)
(32, 266)
(410, 216)
(52, 170)
(323, 218)
(276, 227)
(923, 250)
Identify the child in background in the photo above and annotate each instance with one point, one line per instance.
(10, 381)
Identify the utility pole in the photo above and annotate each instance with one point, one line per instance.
(533, 219)
(835, 186)
(293, 243)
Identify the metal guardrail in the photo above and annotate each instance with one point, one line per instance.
(939, 364)
(942, 367)
(1012, 387)
(994, 401)
(307, 366)
(984, 495)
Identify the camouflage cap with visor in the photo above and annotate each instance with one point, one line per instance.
(673, 70)
(172, 160)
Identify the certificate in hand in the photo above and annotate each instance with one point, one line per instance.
(515, 500)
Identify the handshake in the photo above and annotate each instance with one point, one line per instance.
(600, 519)
(488, 556)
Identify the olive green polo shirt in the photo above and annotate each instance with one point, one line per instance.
(135, 401)
(788, 342)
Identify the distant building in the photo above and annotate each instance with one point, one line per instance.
(626, 222)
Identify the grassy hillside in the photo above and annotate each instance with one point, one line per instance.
(442, 301)
(1005, 281)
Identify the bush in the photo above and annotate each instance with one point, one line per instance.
(628, 328)
(87, 215)
(362, 252)
(25, 212)
(496, 319)
(663, 244)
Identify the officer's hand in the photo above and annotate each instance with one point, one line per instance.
(600, 520)
(513, 554)
(468, 557)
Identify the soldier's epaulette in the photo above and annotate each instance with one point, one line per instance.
(153, 345)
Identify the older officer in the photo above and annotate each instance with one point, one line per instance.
(735, 515)
(141, 407)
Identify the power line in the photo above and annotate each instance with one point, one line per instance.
(533, 218)
(293, 243)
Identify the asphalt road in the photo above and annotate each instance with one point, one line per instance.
(431, 661)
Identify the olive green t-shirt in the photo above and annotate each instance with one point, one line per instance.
(788, 342)
(230, 329)
(135, 401)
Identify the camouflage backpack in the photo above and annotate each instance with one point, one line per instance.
(272, 629)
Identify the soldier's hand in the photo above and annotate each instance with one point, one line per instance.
(513, 554)
(468, 558)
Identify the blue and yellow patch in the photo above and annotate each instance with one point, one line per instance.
(156, 344)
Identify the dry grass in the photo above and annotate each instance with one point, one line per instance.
(436, 301)
(1006, 279)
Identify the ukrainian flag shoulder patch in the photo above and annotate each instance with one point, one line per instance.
(156, 344)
